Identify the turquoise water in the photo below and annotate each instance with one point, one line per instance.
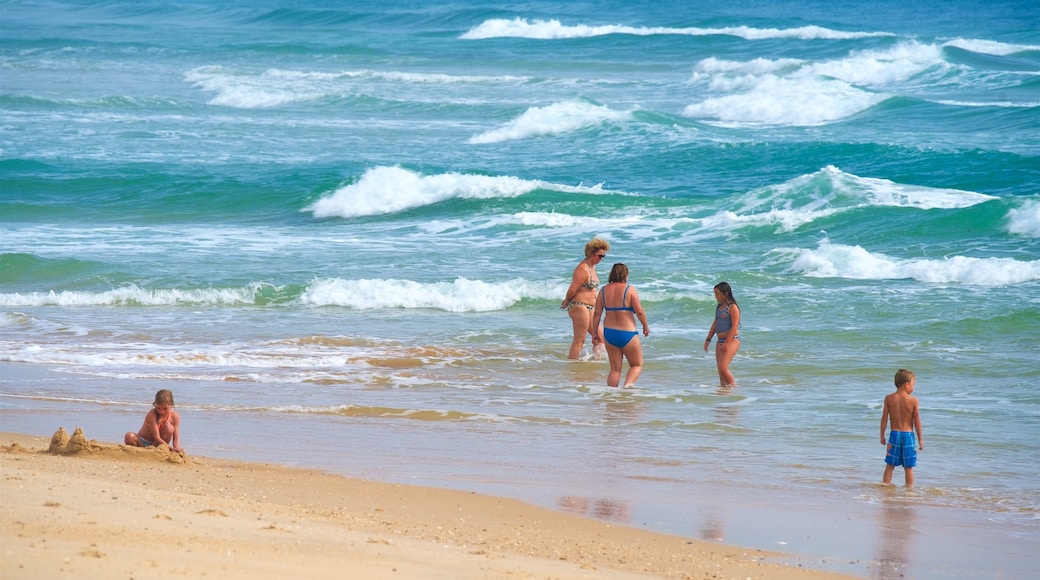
(351, 226)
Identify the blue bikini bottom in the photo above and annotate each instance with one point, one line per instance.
(618, 338)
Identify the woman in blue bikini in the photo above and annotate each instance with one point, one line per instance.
(619, 326)
(727, 327)
(578, 302)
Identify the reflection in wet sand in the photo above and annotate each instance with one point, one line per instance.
(713, 530)
(896, 542)
(604, 509)
(622, 411)
(726, 413)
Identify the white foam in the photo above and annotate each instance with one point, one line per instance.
(248, 91)
(757, 66)
(991, 46)
(786, 219)
(277, 87)
(780, 101)
(460, 295)
(873, 191)
(134, 294)
(385, 190)
(196, 361)
(552, 220)
(829, 191)
(878, 68)
(802, 93)
(1025, 220)
(1003, 104)
(555, 30)
(407, 77)
(854, 262)
(553, 119)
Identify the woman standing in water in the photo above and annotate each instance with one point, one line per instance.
(620, 302)
(727, 327)
(580, 300)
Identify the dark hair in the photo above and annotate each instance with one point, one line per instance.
(619, 273)
(726, 291)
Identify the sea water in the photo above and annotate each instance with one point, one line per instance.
(341, 233)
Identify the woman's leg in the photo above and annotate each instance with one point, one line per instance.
(634, 353)
(581, 320)
(724, 354)
(615, 357)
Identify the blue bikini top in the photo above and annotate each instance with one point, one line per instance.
(623, 297)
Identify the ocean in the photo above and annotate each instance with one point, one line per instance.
(340, 233)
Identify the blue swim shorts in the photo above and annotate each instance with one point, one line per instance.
(902, 449)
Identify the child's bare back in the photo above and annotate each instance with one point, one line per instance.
(902, 408)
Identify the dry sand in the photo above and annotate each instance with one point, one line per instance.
(72, 507)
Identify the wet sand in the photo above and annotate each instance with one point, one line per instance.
(102, 510)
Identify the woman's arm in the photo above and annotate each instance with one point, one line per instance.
(572, 290)
(640, 313)
(596, 314)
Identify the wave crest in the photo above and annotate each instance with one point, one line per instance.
(553, 119)
(461, 295)
(853, 262)
(554, 30)
(789, 92)
(134, 295)
(1025, 220)
(385, 190)
(829, 191)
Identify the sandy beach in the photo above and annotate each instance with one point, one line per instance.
(79, 507)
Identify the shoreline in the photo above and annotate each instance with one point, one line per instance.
(100, 509)
(844, 524)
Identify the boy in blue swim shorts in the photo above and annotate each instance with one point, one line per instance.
(903, 411)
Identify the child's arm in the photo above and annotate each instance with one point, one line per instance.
(884, 421)
(734, 320)
(711, 333)
(917, 425)
(175, 441)
(150, 429)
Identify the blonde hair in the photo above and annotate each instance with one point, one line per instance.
(595, 245)
(903, 376)
(164, 397)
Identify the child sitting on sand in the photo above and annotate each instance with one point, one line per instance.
(161, 425)
(902, 408)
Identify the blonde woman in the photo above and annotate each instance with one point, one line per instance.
(580, 300)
